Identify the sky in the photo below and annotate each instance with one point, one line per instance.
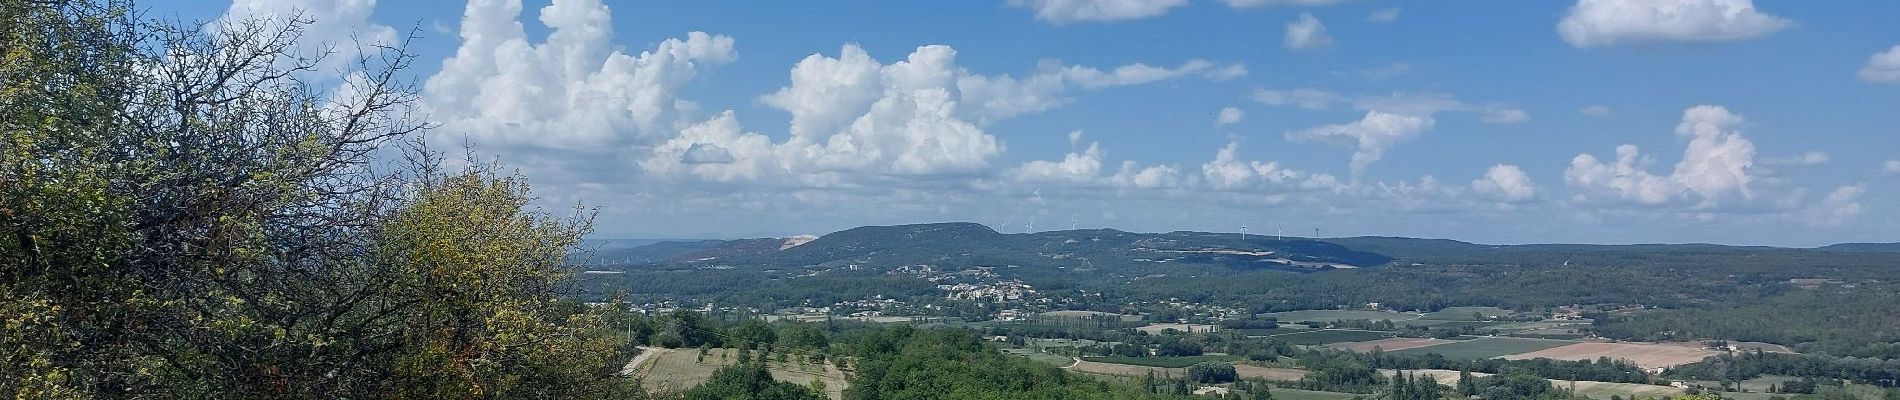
(1593, 121)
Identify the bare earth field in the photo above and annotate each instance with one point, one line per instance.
(1643, 354)
(1272, 374)
(1390, 344)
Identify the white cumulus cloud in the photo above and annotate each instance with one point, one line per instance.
(339, 27)
(1307, 33)
(1227, 172)
(855, 118)
(1593, 23)
(1369, 137)
(1229, 116)
(573, 91)
(1506, 183)
(1839, 207)
(1882, 67)
(1716, 167)
(1067, 11)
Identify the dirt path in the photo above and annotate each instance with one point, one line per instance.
(646, 353)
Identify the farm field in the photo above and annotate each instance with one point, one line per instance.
(1487, 347)
(1340, 315)
(1084, 314)
(1643, 354)
(1283, 329)
(1158, 328)
(1526, 327)
(1465, 313)
(677, 369)
(1328, 336)
(1457, 324)
(1390, 344)
(1594, 389)
(1272, 374)
(1046, 358)
(1104, 368)
(1163, 362)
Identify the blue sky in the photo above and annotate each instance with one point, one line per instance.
(1500, 122)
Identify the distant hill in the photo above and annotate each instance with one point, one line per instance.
(1862, 247)
(969, 244)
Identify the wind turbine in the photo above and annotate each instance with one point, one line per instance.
(1243, 231)
(1279, 233)
(1073, 220)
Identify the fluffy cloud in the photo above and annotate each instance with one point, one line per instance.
(1067, 11)
(338, 26)
(573, 91)
(1311, 99)
(1715, 167)
(1504, 116)
(1227, 172)
(1229, 116)
(1593, 23)
(1596, 111)
(1840, 206)
(1270, 3)
(1383, 15)
(1086, 169)
(855, 118)
(1882, 67)
(1306, 33)
(1890, 167)
(1506, 183)
(1369, 136)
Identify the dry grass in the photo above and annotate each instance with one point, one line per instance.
(674, 370)
(1643, 354)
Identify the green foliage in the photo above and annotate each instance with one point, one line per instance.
(1212, 372)
(907, 363)
(183, 216)
(751, 381)
(1163, 362)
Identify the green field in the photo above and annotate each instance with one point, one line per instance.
(1283, 329)
(1297, 394)
(1466, 313)
(1457, 324)
(1163, 362)
(1331, 336)
(1046, 358)
(1486, 348)
(1339, 315)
